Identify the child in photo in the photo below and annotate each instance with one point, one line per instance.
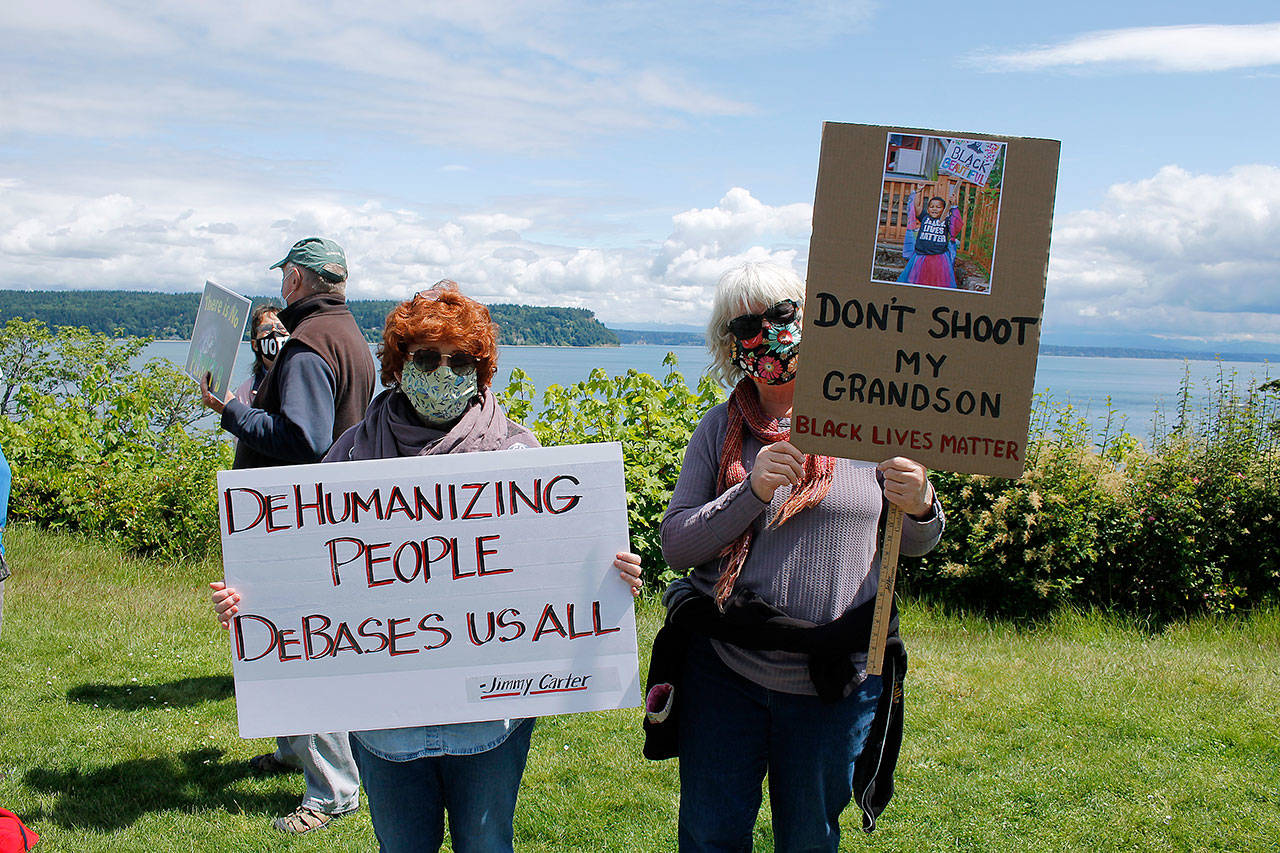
(933, 229)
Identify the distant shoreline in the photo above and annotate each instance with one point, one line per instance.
(1055, 350)
(1125, 352)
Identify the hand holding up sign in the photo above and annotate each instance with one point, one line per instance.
(226, 603)
(906, 485)
(628, 566)
(778, 464)
(210, 399)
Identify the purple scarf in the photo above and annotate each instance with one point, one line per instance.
(391, 428)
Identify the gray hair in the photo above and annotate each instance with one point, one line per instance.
(316, 283)
(757, 285)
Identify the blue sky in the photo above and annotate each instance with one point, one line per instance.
(619, 156)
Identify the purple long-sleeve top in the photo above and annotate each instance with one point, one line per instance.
(821, 563)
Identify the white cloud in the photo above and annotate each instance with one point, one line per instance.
(1176, 254)
(1175, 48)
(448, 74)
(174, 235)
(730, 230)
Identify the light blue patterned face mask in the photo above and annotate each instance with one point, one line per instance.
(438, 396)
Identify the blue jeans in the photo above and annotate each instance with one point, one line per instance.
(733, 732)
(329, 770)
(408, 799)
(6, 480)
(6, 477)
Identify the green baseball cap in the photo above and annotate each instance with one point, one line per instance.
(324, 257)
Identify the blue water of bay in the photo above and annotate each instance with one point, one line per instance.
(1136, 387)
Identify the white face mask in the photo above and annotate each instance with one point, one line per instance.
(439, 396)
(286, 290)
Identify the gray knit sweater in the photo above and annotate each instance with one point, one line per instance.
(818, 565)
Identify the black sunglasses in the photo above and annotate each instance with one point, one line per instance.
(429, 360)
(747, 326)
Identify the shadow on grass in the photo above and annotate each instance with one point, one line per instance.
(175, 694)
(114, 797)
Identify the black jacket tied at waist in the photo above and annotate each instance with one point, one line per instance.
(751, 623)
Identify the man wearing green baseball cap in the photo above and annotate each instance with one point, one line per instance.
(318, 387)
(323, 257)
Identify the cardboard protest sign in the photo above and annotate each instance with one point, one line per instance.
(921, 328)
(429, 589)
(215, 339)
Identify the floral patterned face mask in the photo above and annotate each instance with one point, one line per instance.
(771, 355)
(440, 395)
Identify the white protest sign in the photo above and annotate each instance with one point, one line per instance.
(970, 159)
(429, 589)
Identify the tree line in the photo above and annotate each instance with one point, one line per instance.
(171, 316)
(660, 339)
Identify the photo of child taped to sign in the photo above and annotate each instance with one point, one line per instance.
(939, 208)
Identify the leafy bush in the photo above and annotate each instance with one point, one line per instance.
(104, 448)
(652, 419)
(1186, 526)
(1205, 502)
(1030, 545)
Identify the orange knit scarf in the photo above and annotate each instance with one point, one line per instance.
(745, 411)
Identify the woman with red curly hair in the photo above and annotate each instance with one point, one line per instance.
(439, 352)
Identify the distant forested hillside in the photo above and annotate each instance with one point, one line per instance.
(172, 315)
(110, 312)
(521, 325)
(662, 339)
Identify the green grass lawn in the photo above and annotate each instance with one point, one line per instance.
(118, 731)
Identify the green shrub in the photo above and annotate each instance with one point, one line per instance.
(100, 447)
(1030, 545)
(1205, 502)
(653, 421)
(1186, 526)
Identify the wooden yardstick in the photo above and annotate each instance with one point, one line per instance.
(884, 593)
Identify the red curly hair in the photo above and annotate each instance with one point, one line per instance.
(440, 315)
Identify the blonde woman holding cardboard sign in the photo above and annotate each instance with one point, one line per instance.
(782, 548)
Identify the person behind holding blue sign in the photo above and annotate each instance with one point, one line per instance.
(439, 353)
(933, 231)
(773, 537)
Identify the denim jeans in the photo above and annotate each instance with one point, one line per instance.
(408, 800)
(733, 732)
(6, 480)
(328, 768)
